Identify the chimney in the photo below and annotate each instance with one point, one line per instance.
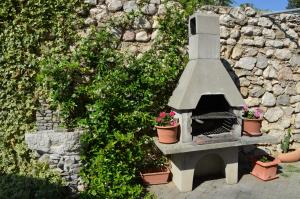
(204, 74)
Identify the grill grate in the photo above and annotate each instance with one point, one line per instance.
(212, 126)
(215, 115)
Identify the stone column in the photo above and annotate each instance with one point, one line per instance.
(185, 121)
(183, 175)
(46, 119)
(230, 157)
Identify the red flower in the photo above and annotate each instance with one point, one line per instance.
(158, 119)
(162, 115)
(172, 113)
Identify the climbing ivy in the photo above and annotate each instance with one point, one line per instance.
(29, 29)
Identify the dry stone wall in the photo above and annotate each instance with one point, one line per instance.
(46, 119)
(264, 54)
(262, 51)
(61, 151)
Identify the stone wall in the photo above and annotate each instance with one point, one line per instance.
(264, 54)
(61, 151)
(262, 51)
(46, 119)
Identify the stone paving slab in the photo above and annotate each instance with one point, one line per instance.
(287, 186)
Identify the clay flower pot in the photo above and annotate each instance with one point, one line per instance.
(155, 176)
(292, 156)
(167, 134)
(265, 170)
(251, 127)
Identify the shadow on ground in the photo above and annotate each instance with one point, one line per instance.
(15, 187)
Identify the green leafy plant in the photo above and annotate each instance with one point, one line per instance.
(265, 159)
(285, 142)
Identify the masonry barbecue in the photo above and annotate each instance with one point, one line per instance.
(207, 102)
(209, 108)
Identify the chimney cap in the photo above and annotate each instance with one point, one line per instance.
(202, 23)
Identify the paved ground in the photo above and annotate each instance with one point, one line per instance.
(287, 186)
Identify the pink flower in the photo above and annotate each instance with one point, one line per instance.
(158, 119)
(173, 123)
(162, 115)
(172, 113)
(257, 113)
(245, 108)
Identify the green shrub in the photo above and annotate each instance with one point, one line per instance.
(115, 97)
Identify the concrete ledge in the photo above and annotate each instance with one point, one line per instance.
(190, 147)
(264, 139)
(54, 142)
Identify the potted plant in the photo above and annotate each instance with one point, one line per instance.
(155, 175)
(287, 154)
(154, 168)
(252, 119)
(166, 127)
(265, 168)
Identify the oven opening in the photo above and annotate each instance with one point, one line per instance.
(212, 117)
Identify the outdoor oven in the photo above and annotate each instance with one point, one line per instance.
(207, 102)
(209, 108)
(208, 105)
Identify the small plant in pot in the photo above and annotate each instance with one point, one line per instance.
(154, 169)
(252, 119)
(167, 127)
(288, 155)
(265, 168)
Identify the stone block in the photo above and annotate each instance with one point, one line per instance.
(54, 142)
(91, 2)
(273, 114)
(283, 100)
(114, 5)
(204, 46)
(141, 23)
(247, 63)
(268, 99)
(45, 158)
(142, 36)
(128, 36)
(265, 22)
(130, 6)
(149, 9)
(283, 54)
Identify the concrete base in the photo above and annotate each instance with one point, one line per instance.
(185, 157)
(184, 164)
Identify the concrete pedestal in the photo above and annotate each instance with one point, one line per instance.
(186, 156)
(184, 164)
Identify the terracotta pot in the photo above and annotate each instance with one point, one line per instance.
(167, 134)
(292, 156)
(265, 170)
(155, 176)
(251, 127)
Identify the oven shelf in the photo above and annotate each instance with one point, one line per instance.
(191, 146)
(215, 116)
